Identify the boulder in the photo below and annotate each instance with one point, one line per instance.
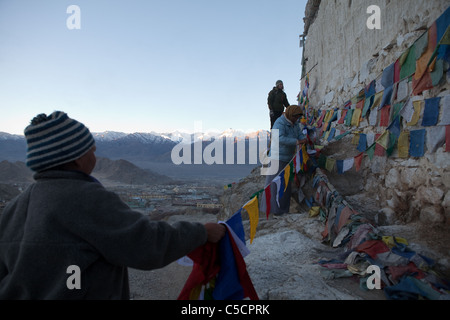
(392, 179)
(432, 214)
(430, 195)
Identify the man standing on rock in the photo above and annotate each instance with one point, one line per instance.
(67, 237)
(277, 101)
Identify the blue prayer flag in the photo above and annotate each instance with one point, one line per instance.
(417, 141)
(340, 166)
(362, 146)
(431, 112)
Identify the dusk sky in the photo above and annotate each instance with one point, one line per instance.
(142, 66)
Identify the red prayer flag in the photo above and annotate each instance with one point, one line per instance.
(358, 161)
(384, 118)
(343, 114)
(268, 196)
(397, 68)
(379, 150)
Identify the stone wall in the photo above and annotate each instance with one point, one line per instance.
(348, 54)
(345, 56)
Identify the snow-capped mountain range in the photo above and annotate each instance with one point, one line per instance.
(177, 136)
(150, 146)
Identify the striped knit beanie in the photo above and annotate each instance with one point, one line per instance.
(54, 140)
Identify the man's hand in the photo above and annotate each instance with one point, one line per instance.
(215, 231)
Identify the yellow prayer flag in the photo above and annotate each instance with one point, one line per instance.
(305, 155)
(355, 139)
(403, 144)
(377, 99)
(383, 140)
(329, 116)
(325, 137)
(329, 164)
(253, 213)
(417, 109)
(356, 117)
(287, 175)
(391, 242)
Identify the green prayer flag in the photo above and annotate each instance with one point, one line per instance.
(409, 62)
(370, 151)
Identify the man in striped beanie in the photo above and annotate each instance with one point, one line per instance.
(55, 140)
(67, 237)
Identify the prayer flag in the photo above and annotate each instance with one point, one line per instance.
(331, 135)
(383, 139)
(387, 78)
(370, 138)
(445, 118)
(348, 117)
(425, 64)
(343, 114)
(348, 164)
(253, 213)
(319, 122)
(387, 97)
(402, 90)
(287, 175)
(392, 143)
(403, 144)
(330, 164)
(381, 143)
(305, 157)
(397, 71)
(394, 127)
(219, 271)
(431, 112)
(340, 166)
(369, 90)
(373, 116)
(358, 161)
(384, 118)
(233, 281)
(377, 100)
(362, 146)
(428, 44)
(371, 150)
(417, 105)
(417, 141)
(280, 191)
(408, 62)
(367, 105)
(268, 196)
(407, 111)
(297, 161)
(360, 104)
(356, 117)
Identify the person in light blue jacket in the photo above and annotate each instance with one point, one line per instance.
(290, 136)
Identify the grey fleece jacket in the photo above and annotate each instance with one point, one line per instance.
(66, 218)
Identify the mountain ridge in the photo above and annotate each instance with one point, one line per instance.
(121, 171)
(175, 136)
(155, 151)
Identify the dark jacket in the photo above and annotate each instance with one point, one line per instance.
(277, 100)
(66, 218)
